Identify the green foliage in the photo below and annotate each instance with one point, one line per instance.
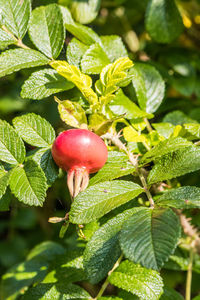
(17, 59)
(28, 183)
(103, 249)
(144, 232)
(163, 20)
(43, 83)
(35, 130)
(146, 284)
(121, 236)
(182, 197)
(46, 30)
(101, 198)
(12, 148)
(149, 86)
(15, 16)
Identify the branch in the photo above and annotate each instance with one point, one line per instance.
(114, 138)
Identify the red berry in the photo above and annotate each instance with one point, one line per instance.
(79, 152)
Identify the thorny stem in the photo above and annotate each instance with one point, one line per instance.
(189, 276)
(105, 284)
(133, 160)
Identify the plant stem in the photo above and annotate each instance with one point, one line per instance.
(189, 276)
(133, 160)
(105, 284)
(21, 45)
(149, 128)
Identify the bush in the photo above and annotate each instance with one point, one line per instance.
(132, 78)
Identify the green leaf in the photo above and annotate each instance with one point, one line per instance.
(113, 47)
(163, 21)
(146, 284)
(56, 291)
(150, 236)
(4, 178)
(16, 59)
(20, 277)
(194, 129)
(165, 147)
(114, 168)
(12, 148)
(35, 130)
(177, 117)
(83, 33)
(75, 51)
(170, 294)
(103, 249)
(85, 12)
(94, 60)
(101, 198)
(46, 251)
(99, 123)
(73, 74)
(182, 197)
(164, 129)
(5, 39)
(149, 86)
(43, 83)
(15, 14)
(71, 113)
(5, 201)
(123, 105)
(46, 29)
(112, 75)
(44, 159)
(28, 183)
(175, 164)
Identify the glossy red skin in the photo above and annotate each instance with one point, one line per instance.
(79, 148)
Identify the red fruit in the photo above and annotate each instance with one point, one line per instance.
(79, 152)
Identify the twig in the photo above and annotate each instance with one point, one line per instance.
(149, 128)
(105, 284)
(114, 138)
(189, 276)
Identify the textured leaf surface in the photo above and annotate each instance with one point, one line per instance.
(165, 147)
(46, 251)
(20, 277)
(94, 60)
(16, 15)
(46, 29)
(83, 33)
(4, 177)
(170, 294)
(101, 198)
(71, 113)
(123, 105)
(113, 47)
(112, 75)
(103, 249)
(75, 51)
(116, 166)
(28, 184)
(5, 39)
(73, 74)
(85, 12)
(146, 284)
(43, 83)
(12, 148)
(57, 291)
(175, 164)
(163, 20)
(16, 59)
(35, 130)
(45, 160)
(149, 236)
(183, 197)
(194, 129)
(149, 86)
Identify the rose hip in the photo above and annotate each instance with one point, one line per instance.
(79, 152)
